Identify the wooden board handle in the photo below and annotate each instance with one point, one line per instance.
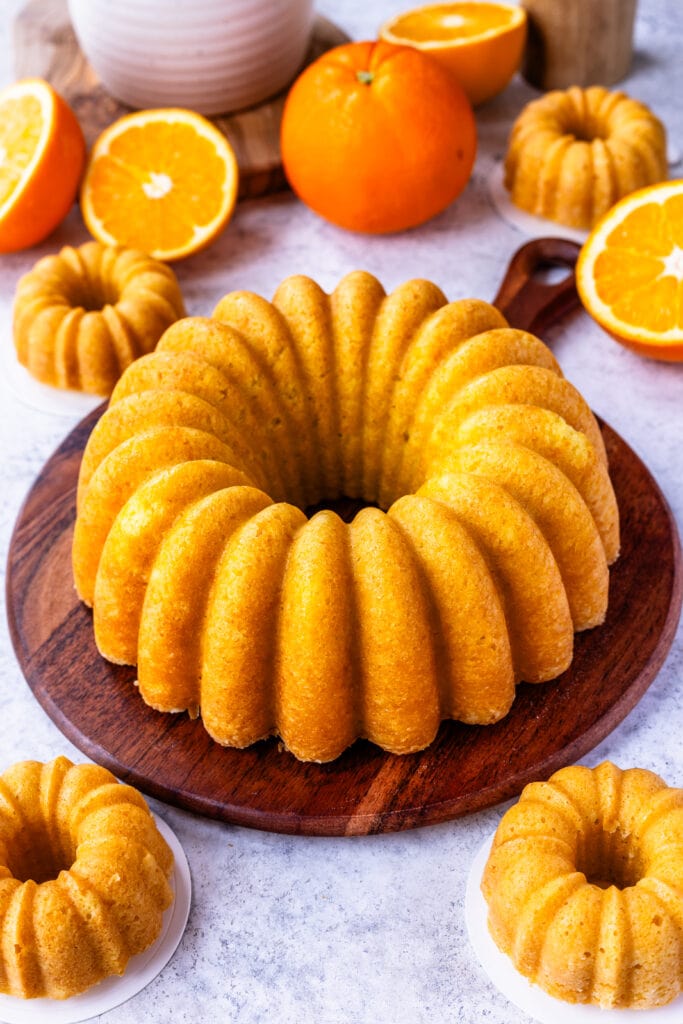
(530, 303)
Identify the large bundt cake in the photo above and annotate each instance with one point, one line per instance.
(82, 316)
(193, 546)
(572, 155)
(584, 886)
(83, 878)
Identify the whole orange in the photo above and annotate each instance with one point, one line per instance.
(377, 137)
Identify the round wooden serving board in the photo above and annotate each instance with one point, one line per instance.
(366, 790)
(45, 46)
(171, 757)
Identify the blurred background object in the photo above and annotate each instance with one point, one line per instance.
(212, 56)
(578, 42)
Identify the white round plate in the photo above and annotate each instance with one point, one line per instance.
(57, 401)
(530, 998)
(140, 970)
(541, 227)
(527, 223)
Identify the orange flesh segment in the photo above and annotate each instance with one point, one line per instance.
(21, 126)
(450, 22)
(639, 275)
(165, 168)
(645, 230)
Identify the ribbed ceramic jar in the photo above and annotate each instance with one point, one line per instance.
(213, 56)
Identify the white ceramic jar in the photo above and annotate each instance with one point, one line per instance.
(212, 56)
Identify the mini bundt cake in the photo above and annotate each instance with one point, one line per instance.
(584, 886)
(572, 155)
(81, 317)
(84, 878)
(193, 546)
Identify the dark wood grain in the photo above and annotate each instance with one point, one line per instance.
(467, 768)
(45, 46)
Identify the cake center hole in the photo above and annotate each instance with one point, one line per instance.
(93, 296)
(36, 861)
(612, 860)
(346, 508)
(587, 131)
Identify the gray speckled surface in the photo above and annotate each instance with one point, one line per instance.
(353, 931)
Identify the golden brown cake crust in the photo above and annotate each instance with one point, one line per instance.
(486, 546)
(82, 316)
(583, 885)
(84, 877)
(572, 154)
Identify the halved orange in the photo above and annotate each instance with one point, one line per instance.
(164, 181)
(630, 271)
(480, 43)
(42, 154)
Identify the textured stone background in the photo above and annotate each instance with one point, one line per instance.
(364, 930)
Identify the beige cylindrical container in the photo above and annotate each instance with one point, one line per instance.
(578, 42)
(213, 56)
